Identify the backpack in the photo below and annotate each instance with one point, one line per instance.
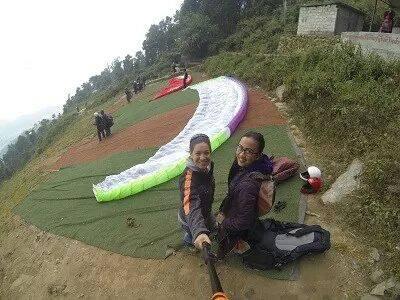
(280, 243)
(266, 194)
(283, 168)
(110, 120)
(266, 197)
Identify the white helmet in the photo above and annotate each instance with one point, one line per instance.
(312, 172)
(96, 114)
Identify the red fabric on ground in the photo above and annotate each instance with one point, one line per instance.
(174, 84)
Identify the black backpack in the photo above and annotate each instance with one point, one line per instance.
(280, 243)
(110, 120)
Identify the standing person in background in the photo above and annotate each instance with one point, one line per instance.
(99, 122)
(139, 83)
(128, 94)
(173, 66)
(108, 122)
(387, 23)
(185, 77)
(144, 81)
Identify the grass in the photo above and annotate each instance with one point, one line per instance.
(35, 172)
(65, 204)
(348, 106)
(142, 109)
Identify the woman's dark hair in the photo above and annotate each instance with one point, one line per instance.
(258, 137)
(197, 139)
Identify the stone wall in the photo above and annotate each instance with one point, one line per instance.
(317, 20)
(387, 45)
(348, 20)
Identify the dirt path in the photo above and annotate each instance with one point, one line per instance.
(159, 130)
(39, 265)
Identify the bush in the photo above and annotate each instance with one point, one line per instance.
(348, 105)
(57, 128)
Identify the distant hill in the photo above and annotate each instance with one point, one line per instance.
(10, 130)
(3, 150)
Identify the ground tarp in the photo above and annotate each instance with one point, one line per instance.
(66, 206)
(143, 225)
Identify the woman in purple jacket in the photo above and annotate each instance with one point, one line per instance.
(238, 215)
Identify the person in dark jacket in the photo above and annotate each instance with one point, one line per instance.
(107, 121)
(99, 122)
(238, 215)
(135, 87)
(173, 66)
(387, 23)
(128, 95)
(196, 186)
(144, 82)
(185, 77)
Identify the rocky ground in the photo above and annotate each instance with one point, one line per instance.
(39, 265)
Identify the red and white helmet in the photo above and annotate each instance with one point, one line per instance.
(313, 180)
(312, 172)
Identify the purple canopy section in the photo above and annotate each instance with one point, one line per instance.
(243, 108)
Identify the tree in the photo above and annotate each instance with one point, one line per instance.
(159, 40)
(196, 35)
(127, 64)
(95, 81)
(139, 61)
(223, 13)
(117, 72)
(4, 172)
(253, 8)
(11, 159)
(32, 136)
(190, 6)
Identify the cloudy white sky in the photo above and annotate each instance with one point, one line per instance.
(48, 48)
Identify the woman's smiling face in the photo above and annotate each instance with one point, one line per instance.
(247, 151)
(201, 155)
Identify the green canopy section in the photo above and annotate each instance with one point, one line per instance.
(154, 179)
(144, 224)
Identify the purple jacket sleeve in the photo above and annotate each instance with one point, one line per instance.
(246, 212)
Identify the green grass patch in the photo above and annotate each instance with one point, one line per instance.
(65, 204)
(142, 109)
(78, 128)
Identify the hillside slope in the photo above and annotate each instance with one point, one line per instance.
(41, 265)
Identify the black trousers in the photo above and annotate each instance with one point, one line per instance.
(101, 134)
(108, 131)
